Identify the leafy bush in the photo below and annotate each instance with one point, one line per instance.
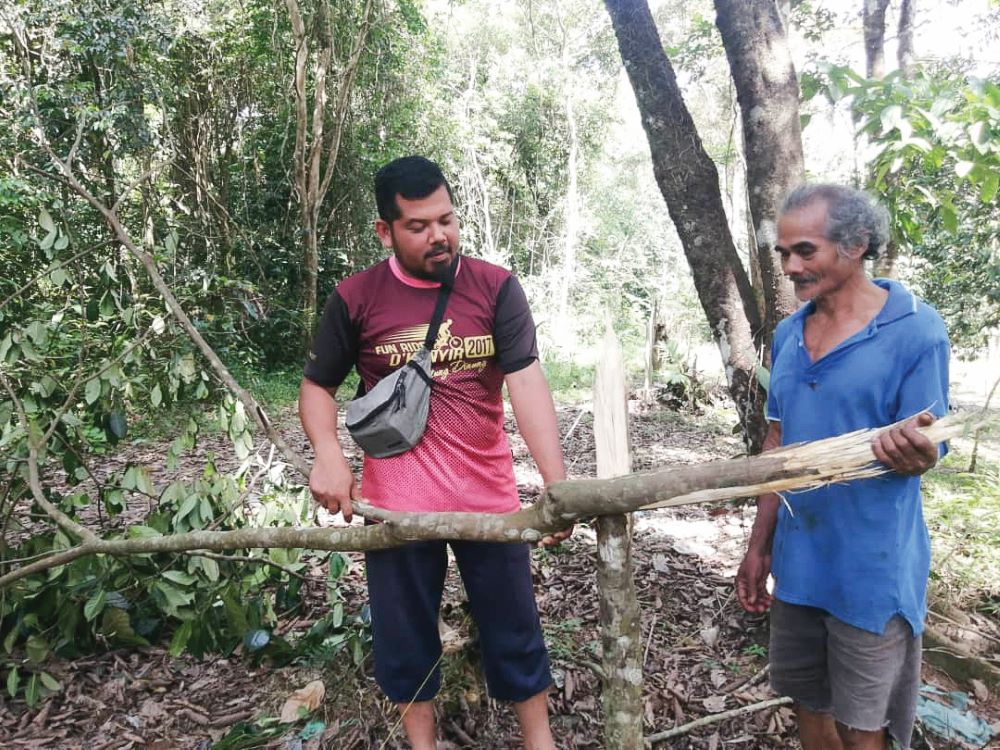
(937, 167)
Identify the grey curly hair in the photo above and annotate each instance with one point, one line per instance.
(853, 217)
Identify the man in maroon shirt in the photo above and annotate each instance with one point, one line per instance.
(373, 321)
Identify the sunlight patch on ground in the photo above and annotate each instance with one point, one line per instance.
(720, 539)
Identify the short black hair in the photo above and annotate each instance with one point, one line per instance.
(409, 176)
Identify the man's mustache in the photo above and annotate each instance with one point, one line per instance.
(441, 247)
(796, 279)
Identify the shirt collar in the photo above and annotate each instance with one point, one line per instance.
(405, 278)
(900, 303)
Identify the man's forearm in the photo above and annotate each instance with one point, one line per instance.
(762, 533)
(535, 413)
(318, 413)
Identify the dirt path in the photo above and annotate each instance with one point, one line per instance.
(701, 653)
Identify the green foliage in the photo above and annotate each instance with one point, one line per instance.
(200, 603)
(937, 167)
(569, 380)
(963, 514)
(678, 384)
(812, 20)
(178, 118)
(245, 735)
(134, 87)
(698, 47)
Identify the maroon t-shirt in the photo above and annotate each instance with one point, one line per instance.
(377, 319)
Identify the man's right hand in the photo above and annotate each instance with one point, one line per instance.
(751, 582)
(333, 486)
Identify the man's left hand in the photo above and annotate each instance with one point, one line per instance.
(553, 539)
(906, 451)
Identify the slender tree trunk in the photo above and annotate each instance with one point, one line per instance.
(885, 265)
(652, 360)
(768, 93)
(300, 160)
(873, 18)
(316, 149)
(904, 50)
(689, 182)
(572, 226)
(621, 636)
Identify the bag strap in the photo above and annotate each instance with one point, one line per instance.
(442, 303)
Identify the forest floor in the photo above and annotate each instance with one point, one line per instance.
(701, 653)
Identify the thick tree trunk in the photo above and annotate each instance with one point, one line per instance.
(873, 18)
(904, 50)
(768, 93)
(688, 179)
(621, 637)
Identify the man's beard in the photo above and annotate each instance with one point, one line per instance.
(440, 272)
(443, 272)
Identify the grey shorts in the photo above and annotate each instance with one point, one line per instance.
(865, 680)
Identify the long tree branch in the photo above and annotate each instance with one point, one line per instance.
(246, 559)
(838, 459)
(253, 408)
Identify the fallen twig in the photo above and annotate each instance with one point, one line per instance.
(960, 626)
(225, 720)
(246, 559)
(462, 734)
(749, 682)
(715, 718)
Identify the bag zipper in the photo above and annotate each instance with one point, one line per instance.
(393, 397)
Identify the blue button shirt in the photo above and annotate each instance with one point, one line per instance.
(859, 550)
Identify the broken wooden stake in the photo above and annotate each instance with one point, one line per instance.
(619, 606)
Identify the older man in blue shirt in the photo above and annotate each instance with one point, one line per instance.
(850, 561)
